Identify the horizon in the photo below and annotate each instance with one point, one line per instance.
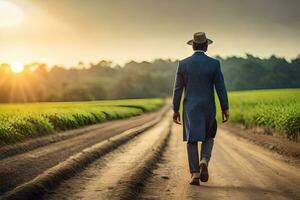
(67, 32)
(115, 64)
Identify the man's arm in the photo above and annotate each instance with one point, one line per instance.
(222, 93)
(177, 93)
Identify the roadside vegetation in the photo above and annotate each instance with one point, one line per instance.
(277, 109)
(19, 122)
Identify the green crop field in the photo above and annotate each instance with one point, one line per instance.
(19, 122)
(278, 109)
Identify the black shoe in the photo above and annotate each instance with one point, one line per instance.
(195, 179)
(203, 172)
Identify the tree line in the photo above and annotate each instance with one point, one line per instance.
(106, 80)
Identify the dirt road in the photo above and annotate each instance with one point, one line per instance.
(18, 169)
(238, 170)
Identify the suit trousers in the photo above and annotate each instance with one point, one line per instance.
(193, 153)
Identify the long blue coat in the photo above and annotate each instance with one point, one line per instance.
(198, 75)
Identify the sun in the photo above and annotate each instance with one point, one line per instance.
(17, 67)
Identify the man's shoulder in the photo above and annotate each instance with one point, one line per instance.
(213, 60)
(185, 60)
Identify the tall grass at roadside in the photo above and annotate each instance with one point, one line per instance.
(19, 122)
(278, 109)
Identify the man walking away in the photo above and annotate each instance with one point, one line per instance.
(198, 75)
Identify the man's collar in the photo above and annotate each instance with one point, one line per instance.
(198, 51)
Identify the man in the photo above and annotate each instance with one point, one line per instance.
(198, 75)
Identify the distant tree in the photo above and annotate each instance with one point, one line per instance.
(104, 80)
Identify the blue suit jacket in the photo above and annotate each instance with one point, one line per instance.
(197, 76)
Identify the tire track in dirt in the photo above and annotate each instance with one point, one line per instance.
(107, 178)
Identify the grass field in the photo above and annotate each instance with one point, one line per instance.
(19, 122)
(278, 109)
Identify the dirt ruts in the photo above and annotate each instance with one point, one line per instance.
(121, 173)
(23, 167)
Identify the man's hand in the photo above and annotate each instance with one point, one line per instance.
(225, 115)
(176, 118)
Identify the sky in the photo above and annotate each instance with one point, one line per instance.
(65, 32)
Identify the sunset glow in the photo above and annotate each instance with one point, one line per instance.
(49, 32)
(17, 67)
(10, 14)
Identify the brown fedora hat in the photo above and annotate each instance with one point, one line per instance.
(199, 38)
